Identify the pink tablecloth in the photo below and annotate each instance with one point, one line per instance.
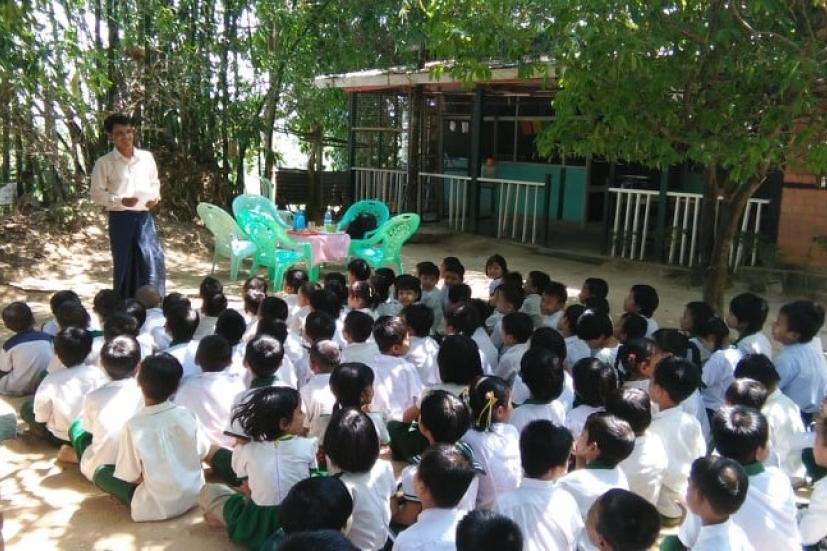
(327, 247)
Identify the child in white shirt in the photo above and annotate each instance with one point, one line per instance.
(635, 363)
(604, 442)
(51, 326)
(423, 350)
(385, 303)
(813, 523)
(593, 287)
(509, 300)
(361, 298)
(317, 397)
(695, 316)
(352, 386)
(358, 333)
(546, 513)
(643, 300)
(535, 282)
(182, 322)
(452, 273)
(296, 319)
(464, 319)
(210, 394)
(494, 442)
(407, 290)
(441, 480)
(25, 356)
(149, 297)
(495, 268)
(553, 303)
(157, 472)
(274, 459)
(551, 340)
(595, 328)
(542, 372)
(159, 334)
(397, 386)
(293, 280)
(213, 302)
(516, 329)
(231, 325)
(428, 274)
(576, 348)
(621, 520)
(719, 370)
(594, 381)
(747, 314)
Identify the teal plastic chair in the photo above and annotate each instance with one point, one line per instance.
(369, 206)
(384, 247)
(261, 204)
(230, 240)
(274, 248)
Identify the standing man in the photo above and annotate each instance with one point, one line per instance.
(125, 182)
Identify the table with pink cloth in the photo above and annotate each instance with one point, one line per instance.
(326, 247)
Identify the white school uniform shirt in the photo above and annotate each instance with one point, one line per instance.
(396, 386)
(726, 535)
(553, 411)
(607, 355)
(587, 484)
(422, 355)
(784, 422)
(703, 351)
(24, 357)
(498, 451)
(371, 493)
(645, 466)
(757, 343)
(50, 327)
(520, 393)
(390, 307)
(433, 300)
(206, 326)
(803, 373)
(272, 468)
(210, 396)
(406, 483)
(435, 530)
(651, 327)
(154, 319)
(292, 301)
(552, 320)
(488, 352)
(576, 349)
(717, 374)
(813, 523)
(694, 406)
(509, 364)
(768, 514)
(683, 439)
(115, 177)
(361, 352)
(295, 322)
(318, 402)
(185, 353)
(576, 418)
(161, 337)
(531, 306)
(546, 513)
(59, 398)
(104, 413)
(493, 284)
(163, 445)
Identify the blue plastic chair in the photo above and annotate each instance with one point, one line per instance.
(230, 240)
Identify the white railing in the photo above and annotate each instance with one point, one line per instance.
(386, 185)
(435, 188)
(633, 223)
(518, 208)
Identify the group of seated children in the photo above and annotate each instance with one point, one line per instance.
(526, 421)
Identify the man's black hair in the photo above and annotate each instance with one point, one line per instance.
(120, 323)
(427, 269)
(746, 392)
(758, 367)
(136, 310)
(351, 441)
(359, 269)
(463, 318)
(459, 293)
(319, 326)
(633, 325)
(182, 322)
(556, 290)
(273, 308)
(597, 287)
(72, 314)
(60, 297)
(389, 332)
(106, 302)
(594, 325)
(358, 325)
(512, 294)
(116, 118)
(593, 381)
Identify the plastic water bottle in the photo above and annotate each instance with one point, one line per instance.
(328, 219)
(299, 221)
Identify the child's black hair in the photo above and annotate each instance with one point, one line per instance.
(272, 328)
(325, 354)
(758, 367)
(149, 296)
(419, 319)
(699, 311)
(73, 345)
(380, 286)
(106, 302)
(159, 376)
(135, 309)
(264, 355)
(317, 540)
(463, 318)
(387, 273)
(308, 289)
(482, 530)
(18, 317)
(597, 304)
(518, 325)
(336, 288)
(645, 298)
(597, 287)
(804, 317)
(738, 432)
(750, 309)
(459, 293)
(427, 269)
(182, 322)
(72, 314)
(261, 413)
(543, 446)
(212, 296)
(671, 341)
(572, 313)
(557, 290)
(230, 325)
(512, 294)
(678, 377)
(327, 301)
(351, 441)
(633, 406)
(120, 323)
(542, 373)
(294, 278)
(613, 436)
(514, 279)
(348, 382)
(319, 326)
(389, 331)
(593, 381)
(485, 395)
(721, 482)
(61, 297)
(273, 308)
(459, 360)
(549, 339)
(173, 299)
(716, 328)
(626, 521)
(214, 353)
(407, 282)
(120, 356)
(359, 269)
(634, 326)
(454, 266)
(499, 260)
(364, 290)
(358, 325)
(632, 354)
(253, 292)
(445, 416)
(746, 392)
(318, 503)
(446, 473)
(539, 280)
(335, 277)
(594, 325)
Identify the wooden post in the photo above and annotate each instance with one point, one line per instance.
(663, 206)
(474, 161)
(416, 97)
(351, 144)
(607, 204)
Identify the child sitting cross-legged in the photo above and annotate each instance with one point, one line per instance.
(516, 329)
(595, 328)
(747, 315)
(509, 300)
(576, 348)
(397, 386)
(622, 521)
(643, 299)
(719, 369)
(24, 356)
(542, 373)
(317, 397)
(182, 322)
(593, 382)
(360, 347)
(535, 283)
(274, 459)
(352, 386)
(464, 319)
(428, 274)
(548, 339)
(553, 303)
(442, 479)
(635, 363)
(547, 515)
(51, 326)
(605, 441)
(157, 472)
(423, 349)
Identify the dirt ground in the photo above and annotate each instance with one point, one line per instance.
(48, 505)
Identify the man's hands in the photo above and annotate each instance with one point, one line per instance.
(129, 201)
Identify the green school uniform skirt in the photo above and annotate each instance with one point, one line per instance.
(248, 524)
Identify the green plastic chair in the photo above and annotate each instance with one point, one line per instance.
(274, 248)
(261, 204)
(369, 206)
(385, 246)
(230, 240)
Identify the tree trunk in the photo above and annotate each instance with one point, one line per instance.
(315, 166)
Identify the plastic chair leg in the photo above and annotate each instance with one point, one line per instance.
(234, 262)
(313, 272)
(214, 256)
